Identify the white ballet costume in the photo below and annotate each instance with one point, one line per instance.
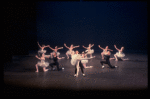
(120, 54)
(90, 52)
(74, 59)
(42, 63)
(84, 61)
(42, 51)
(68, 52)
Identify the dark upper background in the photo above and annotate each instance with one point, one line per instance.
(79, 23)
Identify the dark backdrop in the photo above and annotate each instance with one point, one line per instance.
(19, 29)
(79, 23)
(104, 23)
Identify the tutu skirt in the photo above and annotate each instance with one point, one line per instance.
(43, 63)
(74, 59)
(73, 62)
(90, 52)
(120, 54)
(68, 52)
(42, 51)
(84, 61)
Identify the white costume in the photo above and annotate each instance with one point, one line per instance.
(42, 63)
(42, 51)
(74, 59)
(84, 61)
(120, 54)
(68, 52)
(91, 51)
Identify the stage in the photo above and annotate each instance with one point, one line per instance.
(20, 75)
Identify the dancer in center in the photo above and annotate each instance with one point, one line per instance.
(70, 49)
(76, 61)
(55, 51)
(55, 59)
(104, 51)
(89, 50)
(84, 62)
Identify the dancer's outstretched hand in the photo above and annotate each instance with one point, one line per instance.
(36, 56)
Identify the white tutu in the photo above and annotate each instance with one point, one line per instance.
(90, 52)
(84, 61)
(42, 51)
(58, 53)
(68, 52)
(120, 54)
(42, 63)
(74, 59)
(47, 55)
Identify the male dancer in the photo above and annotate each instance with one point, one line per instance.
(55, 58)
(107, 61)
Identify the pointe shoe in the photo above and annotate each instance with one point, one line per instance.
(37, 71)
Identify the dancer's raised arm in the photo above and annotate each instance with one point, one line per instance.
(51, 48)
(47, 46)
(76, 46)
(37, 57)
(84, 47)
(39, 45)
(116, 47)
(66, 46)
(109, 49)
(100, 47)
(60, 48)
(92, 45)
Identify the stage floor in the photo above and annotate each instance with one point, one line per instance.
(129, 75)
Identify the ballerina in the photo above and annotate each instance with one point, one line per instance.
(89, 50)
(55, 51)
(119, 54)
(55, 59)
(84, 62)
(42, 63)
(42, 49)
(104, 51)
(70, 49)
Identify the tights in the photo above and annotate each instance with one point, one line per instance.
(81, 66)
(107, 61)
(55, 63)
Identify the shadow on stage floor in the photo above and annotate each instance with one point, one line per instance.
(129, 77)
